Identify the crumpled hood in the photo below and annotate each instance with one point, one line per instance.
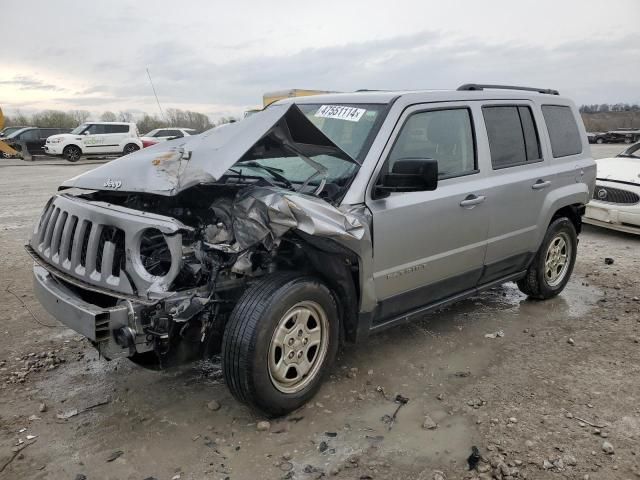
(619, 169)
(175, 165)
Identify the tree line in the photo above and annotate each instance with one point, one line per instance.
(173, 117)
(609, 107)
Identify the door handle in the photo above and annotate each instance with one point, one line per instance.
(540, 184)
(472, 200)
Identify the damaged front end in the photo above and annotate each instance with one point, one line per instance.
(154, 272)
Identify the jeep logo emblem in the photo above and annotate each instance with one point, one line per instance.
(602, 193)
(115, 184)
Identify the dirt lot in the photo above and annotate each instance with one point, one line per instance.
(557, 396)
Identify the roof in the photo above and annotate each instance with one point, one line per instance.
(388, 96)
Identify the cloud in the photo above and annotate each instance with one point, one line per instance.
(24, 82)
(595, 70)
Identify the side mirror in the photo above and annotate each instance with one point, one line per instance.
(86, 132)
(409, 175)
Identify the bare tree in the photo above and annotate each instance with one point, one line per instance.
(80, 116)
(108, 117)
(19, 119)
(125, 116)
(53, 118)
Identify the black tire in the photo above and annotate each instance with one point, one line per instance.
(535, 283)
(248, 336)
(72, 153)
(130, 148)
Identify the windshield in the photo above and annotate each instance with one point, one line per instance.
(9, 130)
(79, 129)
(351, 127)
(632, 152)
(151, 133)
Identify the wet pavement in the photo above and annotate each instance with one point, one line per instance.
(510, 395)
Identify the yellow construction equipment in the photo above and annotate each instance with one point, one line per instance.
(270, 97)
(4, 148)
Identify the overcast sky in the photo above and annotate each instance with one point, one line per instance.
(219, 57)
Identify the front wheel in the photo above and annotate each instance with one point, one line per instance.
(551, 268)
(72, 153)
(281, 339)
(599, 141)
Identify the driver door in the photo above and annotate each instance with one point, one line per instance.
(93, 139)
(430, 245)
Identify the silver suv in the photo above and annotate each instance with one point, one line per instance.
(317, 221)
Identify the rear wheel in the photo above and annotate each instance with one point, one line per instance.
(72, 153)
(551, 268)
(599, 141)
(130, 148)
(280, 340)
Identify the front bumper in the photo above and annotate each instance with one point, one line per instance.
(53, 148)
(96, 323)
(624, 219)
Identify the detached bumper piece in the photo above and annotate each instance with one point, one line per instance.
(100, 325)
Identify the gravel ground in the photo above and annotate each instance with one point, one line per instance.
(556, 396)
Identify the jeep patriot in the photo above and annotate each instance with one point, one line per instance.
(313, 223)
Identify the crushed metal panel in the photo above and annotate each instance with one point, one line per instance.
(264, 214)
(173, 166)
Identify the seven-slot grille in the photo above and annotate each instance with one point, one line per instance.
(79, 245)
(99, 244)
(615, 195)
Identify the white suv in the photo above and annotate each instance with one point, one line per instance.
(95, 138)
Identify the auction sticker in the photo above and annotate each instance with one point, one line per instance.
(352, 114)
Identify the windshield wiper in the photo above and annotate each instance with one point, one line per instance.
(274, 172)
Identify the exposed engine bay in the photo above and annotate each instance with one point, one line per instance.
(231, 236)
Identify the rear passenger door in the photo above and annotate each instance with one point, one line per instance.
(430, 245)
(518, 183)
(115, 136)
(31, 139)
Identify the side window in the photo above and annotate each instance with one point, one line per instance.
(443, 135)
(116, 128)
(174, 133)
(95, 129)
(29, 135)
(513, 138)
(563, 131)
(160, 133)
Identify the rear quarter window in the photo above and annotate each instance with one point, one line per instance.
(116, 128)
(563, 130)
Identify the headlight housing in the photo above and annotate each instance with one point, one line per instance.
(155, 255)
(54, 140)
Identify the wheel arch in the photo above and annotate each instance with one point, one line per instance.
(72, 145)
(339, 268)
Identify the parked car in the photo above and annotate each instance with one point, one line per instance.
(616, 198)
(32, 137)
(598, 137)
(316, 220)
(163, 134)
(624, 135)
(7, 130)
(95, 138)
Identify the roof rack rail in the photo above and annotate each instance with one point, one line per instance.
(481, 86)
